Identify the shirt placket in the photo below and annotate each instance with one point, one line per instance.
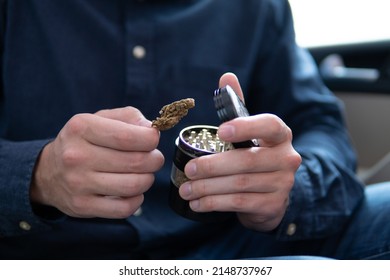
(139, 39)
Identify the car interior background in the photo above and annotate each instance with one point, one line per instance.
(350, 42)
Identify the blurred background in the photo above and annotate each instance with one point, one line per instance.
(350, 42)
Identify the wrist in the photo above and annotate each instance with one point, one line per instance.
(38, 195)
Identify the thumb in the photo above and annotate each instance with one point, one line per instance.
(231, 80)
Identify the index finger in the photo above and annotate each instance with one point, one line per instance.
(127, 114)
(268, 128)
(114, 134)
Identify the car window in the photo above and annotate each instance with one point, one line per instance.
(334, 22)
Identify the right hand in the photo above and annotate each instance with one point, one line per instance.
(99, 165)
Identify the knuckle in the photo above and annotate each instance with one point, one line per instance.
(241, 182)
(77, 124)
(132, 115)
(71, 157)
(102, 112)
(275, 123)
(208, 203)
(289, 133)
(248, 162)
(155, 160)
(205, 165)
(293, 160)
(200, 189)
(239, 202)
(278, 128)
(160, 159)
(130, 111)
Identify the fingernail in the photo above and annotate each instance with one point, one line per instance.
(186, 190)
(226, 131)
(194, 204)
(190, 169)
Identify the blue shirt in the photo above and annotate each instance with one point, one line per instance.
(60, 58)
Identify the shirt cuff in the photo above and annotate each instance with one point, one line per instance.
(291, 227)
(18, 161)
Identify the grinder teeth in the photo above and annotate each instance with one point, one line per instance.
(206, 140)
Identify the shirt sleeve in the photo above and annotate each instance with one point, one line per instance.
(326, 189)
(17, 160)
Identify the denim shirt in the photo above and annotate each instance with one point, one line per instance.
(60, 58)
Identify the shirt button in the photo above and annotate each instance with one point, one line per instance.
(139, 52)
(24, 225)
(138, 212)
(291, 229)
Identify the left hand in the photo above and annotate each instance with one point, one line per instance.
(253, 182)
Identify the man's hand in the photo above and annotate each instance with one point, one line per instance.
(253, 182)
(99, 165)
